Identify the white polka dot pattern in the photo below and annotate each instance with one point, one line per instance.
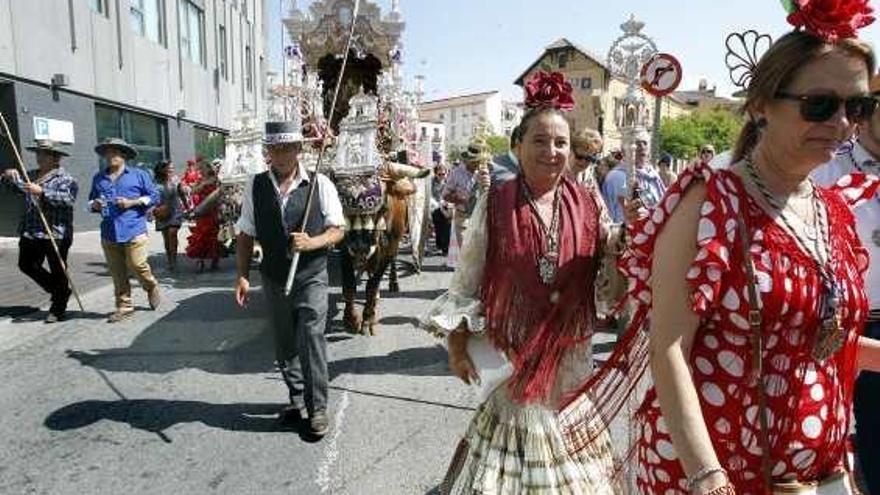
(801, 394)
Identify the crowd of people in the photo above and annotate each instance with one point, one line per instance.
(750, 305)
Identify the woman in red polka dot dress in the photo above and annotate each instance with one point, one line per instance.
(698, 429)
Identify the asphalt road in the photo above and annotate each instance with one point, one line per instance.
(183, 400)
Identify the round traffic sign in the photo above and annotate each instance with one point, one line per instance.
(661, 74)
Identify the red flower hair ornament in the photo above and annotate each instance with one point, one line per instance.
(831, 20)
(549, 89)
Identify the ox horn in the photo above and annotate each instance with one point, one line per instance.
(358, 224)
(380, 223)
(400, 171)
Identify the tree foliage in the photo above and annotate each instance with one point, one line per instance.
(682, 137)
(498, 144)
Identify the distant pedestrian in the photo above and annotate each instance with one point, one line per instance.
(203, 242)
(122, 195)
(169, 212)
(54, 190)
(505, 166)
(664, 168)
(586, 152)
(441, 210)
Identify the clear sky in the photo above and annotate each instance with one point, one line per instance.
(467, 46)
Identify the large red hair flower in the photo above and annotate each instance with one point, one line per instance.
(831, 20)
(549, 89)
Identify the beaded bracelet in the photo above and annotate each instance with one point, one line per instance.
(703, 474)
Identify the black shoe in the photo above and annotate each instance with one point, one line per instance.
(319, 424)
(291, 415)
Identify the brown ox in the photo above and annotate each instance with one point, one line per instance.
(372, 241)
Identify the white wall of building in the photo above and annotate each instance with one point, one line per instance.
(103, 56)
(460, 114)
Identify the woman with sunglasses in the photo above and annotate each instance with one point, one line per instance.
(586, 148)
(751, 280)
(863, 156)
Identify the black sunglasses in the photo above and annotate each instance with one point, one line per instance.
(819, 108)
(587, 158)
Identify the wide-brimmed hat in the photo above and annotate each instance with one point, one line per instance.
(127, 151)
(47, 146)
(283, 133)
(473, 152)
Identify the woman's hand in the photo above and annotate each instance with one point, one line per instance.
(484, 179)
(634, 210)
(459, 361)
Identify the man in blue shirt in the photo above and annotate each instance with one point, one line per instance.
(122, 195)
(615, 188)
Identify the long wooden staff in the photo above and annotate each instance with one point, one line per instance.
(43, 220)
(294, 263)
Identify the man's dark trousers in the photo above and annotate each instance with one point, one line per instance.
(32, 254)
(299, 321)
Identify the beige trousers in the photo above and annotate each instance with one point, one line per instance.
(122, 257)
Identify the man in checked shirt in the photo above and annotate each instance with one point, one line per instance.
(54, 189)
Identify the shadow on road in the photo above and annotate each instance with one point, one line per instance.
(206, 331)
(417, 361)
(155, 415)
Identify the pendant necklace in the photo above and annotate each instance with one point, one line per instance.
(548, 261)
(831, 335)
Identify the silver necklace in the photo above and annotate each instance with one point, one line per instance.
(548, 260)
(831, 335)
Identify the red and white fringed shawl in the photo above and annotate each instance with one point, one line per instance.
(532, 322)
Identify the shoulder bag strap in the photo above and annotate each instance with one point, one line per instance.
(757, 354)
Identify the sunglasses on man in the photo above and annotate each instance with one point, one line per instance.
(820, 108)
(590, 159)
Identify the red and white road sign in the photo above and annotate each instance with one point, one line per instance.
(661, 74)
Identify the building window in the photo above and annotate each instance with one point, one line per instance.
(192, 29)
(147, 134)
(452, 118)
(147, 20)
(586, 83)
(221, 47)
(249, 69)
(209, 144)
(563, 60)
(452, 133)
(99, 6)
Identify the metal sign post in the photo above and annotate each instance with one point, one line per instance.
(660, 76)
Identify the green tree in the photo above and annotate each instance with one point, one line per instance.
(682, 137)
(498, 144)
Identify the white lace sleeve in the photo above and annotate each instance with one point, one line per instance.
(461, 303)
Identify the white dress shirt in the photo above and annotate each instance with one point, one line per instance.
(328, 199)
(867, 214)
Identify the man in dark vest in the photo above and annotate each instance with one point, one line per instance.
(273, 213)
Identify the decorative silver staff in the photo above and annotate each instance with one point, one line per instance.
(43, 220)
(294, 263)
